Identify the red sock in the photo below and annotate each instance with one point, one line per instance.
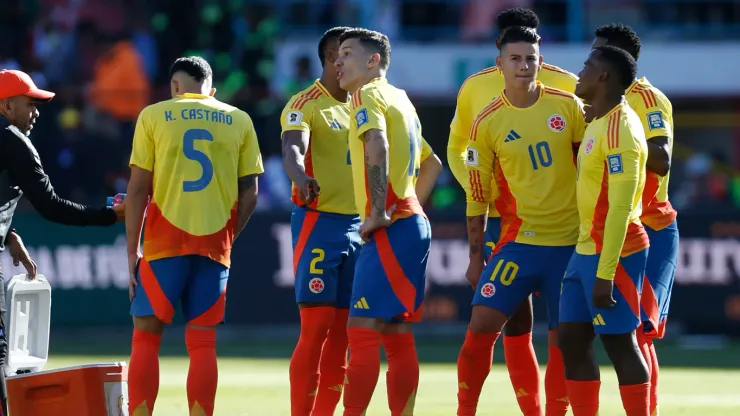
(524, 372)
(402, 378)
(473, 366)
(636, 399)
(654, 372)
(304, 364)
(584, 397)
(203, 372)
(332, 366)
(143, 373)
(556, 393)
(362, 371)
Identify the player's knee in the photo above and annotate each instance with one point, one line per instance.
(520, 323)
(574, 338)
(487, 320)
(149, 324)
(200, 337)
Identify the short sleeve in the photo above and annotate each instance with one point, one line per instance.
(426, 150)
(368, 112)
(297, 115)
(250, 159)
(142, 149)
(656, 119)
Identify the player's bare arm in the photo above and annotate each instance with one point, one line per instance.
(295, 146)
(659, 156)
(376, 164)
(248, 190)
(476, 239)
(137, 194)
(429, 171)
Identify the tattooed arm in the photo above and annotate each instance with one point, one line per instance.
(376, 163)
(247, 201)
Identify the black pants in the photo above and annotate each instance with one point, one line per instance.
(3, 348)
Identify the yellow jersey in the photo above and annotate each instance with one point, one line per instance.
(379, 105)
(197, 147)
(656, 114)
(477, 92)
(316, 112)
(529, 154)
(611, 179)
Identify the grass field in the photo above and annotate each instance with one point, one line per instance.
(255, 383)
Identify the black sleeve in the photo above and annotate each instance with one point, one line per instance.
(24, 166)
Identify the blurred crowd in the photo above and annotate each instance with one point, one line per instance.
(107, 59)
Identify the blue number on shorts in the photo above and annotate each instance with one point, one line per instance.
(543, 155)
(188, 148)
(414, 145)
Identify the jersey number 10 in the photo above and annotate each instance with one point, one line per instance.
(414, 145)
(188, 148)
(540, 155)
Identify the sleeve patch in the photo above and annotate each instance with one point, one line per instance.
(294, 118)
(471, 158)
(615, 164)
(655, 120)
(361, 117)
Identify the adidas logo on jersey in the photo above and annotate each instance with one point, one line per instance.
(512, 136)
(335, 125)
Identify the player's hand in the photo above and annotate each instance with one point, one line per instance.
(309, 190)
(475, 270)
(20, 255)
(602, 293)
(133, 269)
(373, 224)
(120, 210)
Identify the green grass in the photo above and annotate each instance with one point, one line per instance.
(259, 387)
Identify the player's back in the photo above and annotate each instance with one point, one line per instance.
(533, 165)
(379, 105)
(200, 147)
(656, 115)
(614, 150)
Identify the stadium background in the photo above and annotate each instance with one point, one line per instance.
(106, 59)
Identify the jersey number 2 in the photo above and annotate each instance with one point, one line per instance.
(188, 148)
(414, 146)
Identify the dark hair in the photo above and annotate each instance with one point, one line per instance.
(372, 41)
(519, 34)
(518, 16)
(329, 36)
(621, 36)
(195, 66)
(622, 66)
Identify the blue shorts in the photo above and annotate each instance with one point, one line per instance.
(390, 276)
(517, 270)
(576, 296)
(196, 280)
(659, 275)
(325, 249)
(493, 231)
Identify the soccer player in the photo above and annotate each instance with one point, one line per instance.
(477, 92)
(603, 282)
(658, 216)
(200, 158)
(523, 141)
(325, 227)
(387, 293)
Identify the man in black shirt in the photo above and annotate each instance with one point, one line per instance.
(21, 174)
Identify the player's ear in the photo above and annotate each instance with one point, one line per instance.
(374, 60)
(499, 61)
(542, 60)
(213, 92)
(332, 55)
(175, 87)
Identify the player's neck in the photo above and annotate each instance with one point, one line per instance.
(332, 87)
(523, 97)
(602, 105)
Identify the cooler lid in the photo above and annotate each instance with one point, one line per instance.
(28, 322)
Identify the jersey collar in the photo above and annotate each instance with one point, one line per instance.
(638, 82)
(508, 104)
(197, 96)
(378, 81)
(324, 91)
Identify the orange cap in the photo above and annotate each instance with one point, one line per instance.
(14, 83)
